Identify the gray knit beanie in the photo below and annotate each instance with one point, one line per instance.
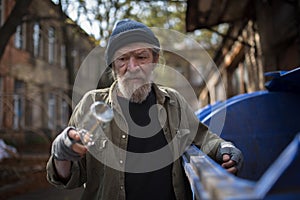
(128, 31)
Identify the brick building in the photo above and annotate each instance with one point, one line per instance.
(37, 69)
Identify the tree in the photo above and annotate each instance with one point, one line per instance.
(101, 15)
(14, 19)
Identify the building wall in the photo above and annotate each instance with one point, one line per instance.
(264, 37)
(239, 63)
(278, 24)
(34, 82)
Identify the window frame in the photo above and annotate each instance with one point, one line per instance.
(51, 44)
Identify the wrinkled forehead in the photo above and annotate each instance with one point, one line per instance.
(134, 48)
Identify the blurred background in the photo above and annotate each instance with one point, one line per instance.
(43, 43)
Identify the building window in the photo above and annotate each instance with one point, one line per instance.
(64, 113)
(19, 37)
(18, 103)
(75, 58)
(36, 39)
(51, 111)
(51, 45)
(63, 56)
(42, 44)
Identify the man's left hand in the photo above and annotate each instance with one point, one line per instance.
(230, 157)
(229, 164)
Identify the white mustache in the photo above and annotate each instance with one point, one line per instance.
(130, 75)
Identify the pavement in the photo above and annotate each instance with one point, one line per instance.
(50, 193)
(24, 178)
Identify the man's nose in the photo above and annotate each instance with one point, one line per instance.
(132, 63)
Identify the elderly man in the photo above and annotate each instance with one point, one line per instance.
(137, 102)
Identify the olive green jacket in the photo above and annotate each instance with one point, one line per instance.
(101, 170)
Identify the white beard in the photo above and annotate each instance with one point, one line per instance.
(135, 92)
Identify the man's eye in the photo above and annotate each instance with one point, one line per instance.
(142, 57)
(121, 59)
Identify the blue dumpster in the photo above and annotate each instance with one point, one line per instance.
(265, 125)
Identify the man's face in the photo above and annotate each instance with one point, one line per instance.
(133, 66)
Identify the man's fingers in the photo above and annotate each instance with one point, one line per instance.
(74, 135)
(79, 148)
(226, 157)
(232, 170)
(228, 164)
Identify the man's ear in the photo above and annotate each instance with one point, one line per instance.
(156, 58)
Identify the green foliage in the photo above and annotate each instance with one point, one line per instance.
(99, 16)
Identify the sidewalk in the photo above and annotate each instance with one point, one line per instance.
(24, 178)
(50, 193)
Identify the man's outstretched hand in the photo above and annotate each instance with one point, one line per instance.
(67, 146)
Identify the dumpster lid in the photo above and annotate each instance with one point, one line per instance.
(284, 81)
